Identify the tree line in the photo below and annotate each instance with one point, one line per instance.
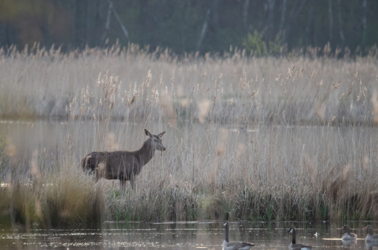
(191, 25)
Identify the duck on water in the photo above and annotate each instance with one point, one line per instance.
(293, 244)
(227, 245)
(370, 237)
(348, 236)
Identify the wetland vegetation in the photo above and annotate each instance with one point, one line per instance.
(268, 138)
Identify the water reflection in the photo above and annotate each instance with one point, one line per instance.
(349, 243)
(199, 235)
(370, 245)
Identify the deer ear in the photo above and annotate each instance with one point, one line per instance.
(147, 133)
(161, 134)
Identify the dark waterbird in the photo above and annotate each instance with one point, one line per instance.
(293, 244)
(348, 236)
(234, 245)
(370, 237)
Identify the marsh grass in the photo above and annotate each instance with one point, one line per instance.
(64, 198)
(266, 138)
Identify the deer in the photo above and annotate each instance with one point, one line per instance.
(122, 165)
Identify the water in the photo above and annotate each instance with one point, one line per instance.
(182, 235)
(28, 136)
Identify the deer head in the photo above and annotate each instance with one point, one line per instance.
(155, 140)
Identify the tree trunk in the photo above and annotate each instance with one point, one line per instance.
(340, 21)
(42, 22)
(3, 34)
(204, 28)
(88, 22)
(107, 23)
(79, 23)
(270, 19)
(280, 35)
(364, 20)
(309, 29)
(330, 19)
(121, 24)
(245, 14)
(213, 28)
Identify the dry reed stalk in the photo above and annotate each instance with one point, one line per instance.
(247, 151)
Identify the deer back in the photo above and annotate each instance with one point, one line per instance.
(112, 165)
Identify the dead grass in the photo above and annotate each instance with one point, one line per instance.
(42, 83)
(265, 138)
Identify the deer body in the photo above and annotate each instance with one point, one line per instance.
(122, 165)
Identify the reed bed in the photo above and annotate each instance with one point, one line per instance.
(289, 138)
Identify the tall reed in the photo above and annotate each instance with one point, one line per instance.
(265, 138)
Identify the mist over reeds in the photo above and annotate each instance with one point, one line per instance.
(268, 138)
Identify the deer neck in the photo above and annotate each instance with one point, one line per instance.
(226, 234)
(293, 239)
(146, 152)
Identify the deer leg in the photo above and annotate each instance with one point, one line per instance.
(97, 175)
(122, 184)
(132, 181)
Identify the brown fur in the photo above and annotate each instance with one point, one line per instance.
(122, 165)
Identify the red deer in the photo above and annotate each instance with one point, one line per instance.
(123, 165)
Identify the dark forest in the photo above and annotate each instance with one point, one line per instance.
(262, 27)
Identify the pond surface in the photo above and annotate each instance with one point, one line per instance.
(182, 235)
(27, 136)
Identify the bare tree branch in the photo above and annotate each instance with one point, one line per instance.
(119, 20)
